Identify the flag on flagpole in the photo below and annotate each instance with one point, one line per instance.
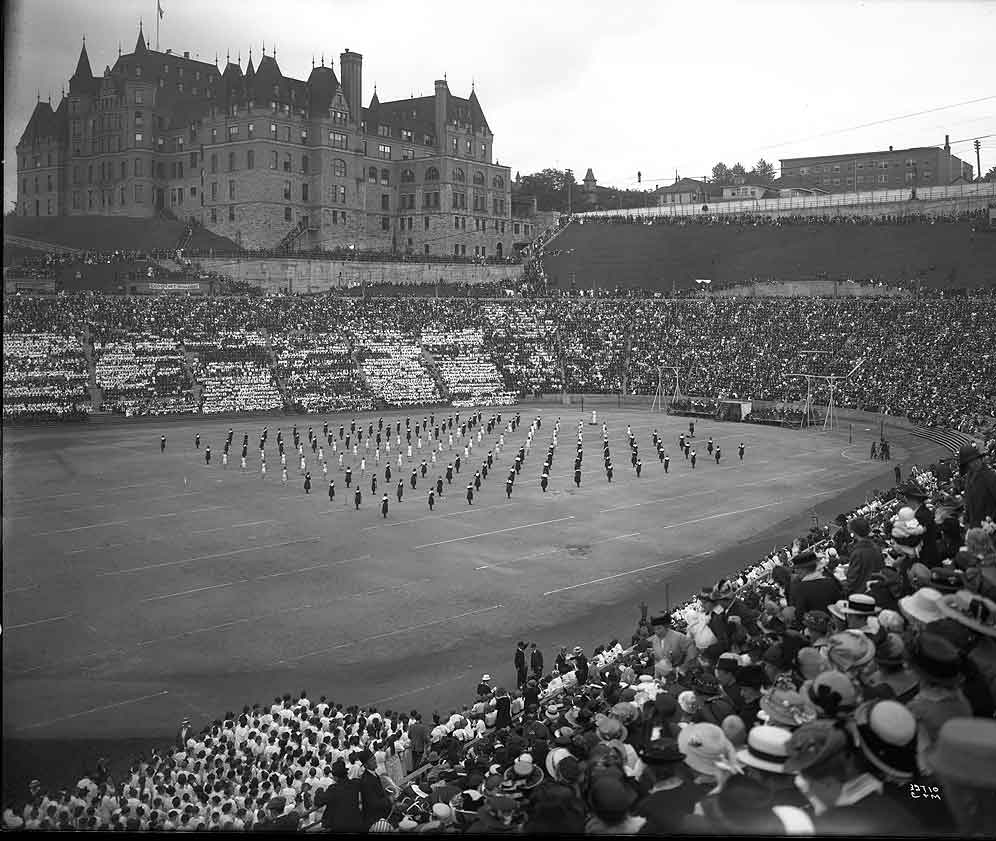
(159, 8)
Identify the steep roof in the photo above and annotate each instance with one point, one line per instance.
(417, 114)
(82, 80)
(43, 124)
(685, 185)
(589, 175)
(322, 86)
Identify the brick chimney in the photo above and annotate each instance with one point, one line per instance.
(947, 143)
(442, 98)
(351, 66)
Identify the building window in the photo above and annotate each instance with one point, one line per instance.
(385, 177)
(407, 136)
(304, 192)
(288, 165)
(214, 215)
(139, 137)
(479, 178)
(385, 201)
(193, 160)
(231, 161)
(214, 162)
(498, 182)
(385, 223)
(882, 179)
(304, 137)
(456, 223)
(304, 164)
(287, 190)
(372, 175)
(454, 145)
(339, 168)
(250, 159)
(231, 191)
(384, 131)
(426, 219)
(214, 191)
(384, 152)
(407, 176)
(287, 214)
(273, 131)
(273, 160)
(231, 213)
(432, 174)
(338, 140)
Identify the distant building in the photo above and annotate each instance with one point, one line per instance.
(748, 191)
(687, 191)
(923, 166)
(265, 159)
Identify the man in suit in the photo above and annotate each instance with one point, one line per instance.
(535, 661)
(375, 803)
(980, 486)
(864, 557)
(520, 665)
(342, 802)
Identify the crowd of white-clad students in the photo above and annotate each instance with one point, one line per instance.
(904, 356)
(320, 374)
(45, 376)
(142, 375)
(845, 684)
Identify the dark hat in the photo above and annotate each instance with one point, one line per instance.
(665, 704)
(967, 454)
(277, 804)
(912, 489)
(936, 658)
(805, 560)
(859, 526)
(816, 620)
(339, 770)
(661, 619)
(363, 756)
(751, 676)
(947, 580)
(663, 751)
(704, 683)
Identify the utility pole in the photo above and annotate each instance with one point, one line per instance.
(978, 164)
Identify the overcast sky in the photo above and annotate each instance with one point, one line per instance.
(655, 87)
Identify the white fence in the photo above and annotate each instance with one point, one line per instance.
(979, 192)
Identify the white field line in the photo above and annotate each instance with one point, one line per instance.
(498, 531)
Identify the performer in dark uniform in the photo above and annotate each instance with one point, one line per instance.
(325, 429)
(577, 477)
(197, 441)
(401, 489)
(439, 486)
(383, 506)
(693, 459)
(691, 429)
(544, 481)
(740, 450)
(207, 455)
(633, 457)
(688, 449)
(477, 481)
(342, 430)
(424, 468)
(373, 483)
(490, 459)
(357, 498)
(456, 463)
(387, 473)
(518, 464)
(667, 462)
(331, 489)
(349, 476)
(307, 482)
(709, 446)
(162, 444)
(449, 474)
(719, 452)
(508, 488)
(432, 499)
(639, 468)
(414, 478)
(470, 494)
(608, 472)
(681, 441)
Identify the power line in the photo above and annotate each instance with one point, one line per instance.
(880, 122)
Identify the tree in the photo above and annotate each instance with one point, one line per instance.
(990, 176)
(549, 186)
(763, 171)
(737, 173)
(721, 174)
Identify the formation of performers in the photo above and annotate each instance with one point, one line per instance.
(368, 449)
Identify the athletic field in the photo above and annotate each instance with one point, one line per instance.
(141, 588)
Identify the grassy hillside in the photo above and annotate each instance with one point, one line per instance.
(942, 255)
(99, 233)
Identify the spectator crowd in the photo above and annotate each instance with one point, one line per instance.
(843, 685)
(900, 356)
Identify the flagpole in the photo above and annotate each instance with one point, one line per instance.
(158, 16)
